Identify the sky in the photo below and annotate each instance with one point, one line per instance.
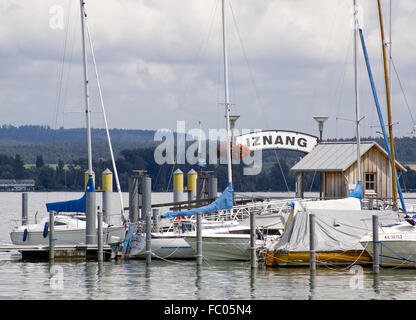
(160, 61)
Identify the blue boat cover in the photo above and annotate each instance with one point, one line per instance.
(72, 205)
(357, 192)
(224, 202)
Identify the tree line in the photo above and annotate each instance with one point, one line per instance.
(274, 176)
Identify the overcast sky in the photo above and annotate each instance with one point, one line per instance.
(160, 61)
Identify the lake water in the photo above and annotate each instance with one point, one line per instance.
(178, 280)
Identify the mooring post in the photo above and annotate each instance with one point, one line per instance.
(199, 238)
(107, 187)
(212, 186)
(100, 252)
(133, 197)
(51, 236)
(376, 244)
(312, 253)
(253, 239)
(146, 212)
(24, 209)
(155, 213)
(177, 187)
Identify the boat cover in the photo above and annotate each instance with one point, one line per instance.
(224, 202)
(72, 205)
(335, 230)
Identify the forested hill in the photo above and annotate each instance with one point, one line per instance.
(56, 160)
(29, 141)
(30, 134)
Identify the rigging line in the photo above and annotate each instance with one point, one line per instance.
(261, 103)
(401, 87)
(202, 47)
(77, 26)
(106, 123)
(60, 74)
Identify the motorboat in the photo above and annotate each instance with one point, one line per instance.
(234, 243)
(170, 243)
(397, 245)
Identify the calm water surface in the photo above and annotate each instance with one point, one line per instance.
(182, 280)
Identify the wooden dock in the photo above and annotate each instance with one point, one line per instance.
(62, 252)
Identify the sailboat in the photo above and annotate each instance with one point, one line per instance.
(338, 232)
(218, 220)
(397, 243)
(70, 225)
(232, 242)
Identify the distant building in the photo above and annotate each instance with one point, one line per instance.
(337, 162)
(17, 184)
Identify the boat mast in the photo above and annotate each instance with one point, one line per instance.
(90, 201)
(227, 102)
(87, 98)
(357, 105)
(390, 125)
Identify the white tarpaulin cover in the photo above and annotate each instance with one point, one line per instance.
(335, 230)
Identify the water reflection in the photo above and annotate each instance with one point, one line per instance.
(147, 277)
(198, 281)
(253, 274)
(376, 283)
(312, 275)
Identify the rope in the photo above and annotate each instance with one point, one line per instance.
(400, 257)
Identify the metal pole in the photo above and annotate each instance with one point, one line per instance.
(100, 252)
(24, 209)
(177, 186)
(227, 101)
(198, 239)
(91, 218)
(148, 237)
(107, 186)
(146, 188)
(192, 177)
(87, 98)
(376, 257)
(357, 105)
(133, 198)
(388, 99)
(51, 236)
(312, 254)
(155, 220)
(253, 240)
(212, 186)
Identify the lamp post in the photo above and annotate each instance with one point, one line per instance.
(320, 121)
(233, 120)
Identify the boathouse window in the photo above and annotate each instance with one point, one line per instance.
(370, 182)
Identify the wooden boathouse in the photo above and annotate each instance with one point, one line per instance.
(337, 164)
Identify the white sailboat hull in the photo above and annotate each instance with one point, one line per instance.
(67, 230)
(165, 246)
(68, 236)
(397, 245)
